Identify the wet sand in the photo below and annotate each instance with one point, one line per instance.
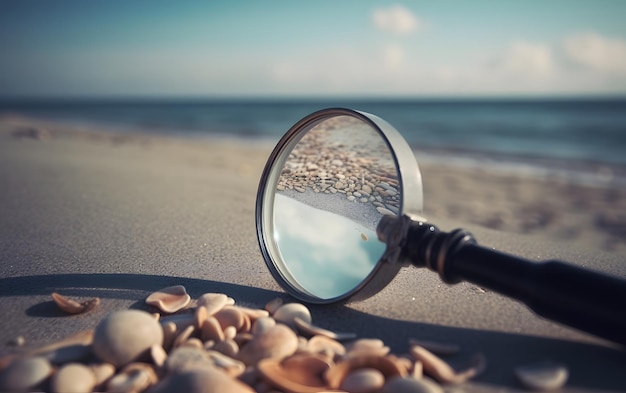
(88, 213)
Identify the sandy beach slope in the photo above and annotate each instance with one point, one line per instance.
(88, 213)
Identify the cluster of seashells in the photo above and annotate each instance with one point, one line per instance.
(364, 173)
(213, 345)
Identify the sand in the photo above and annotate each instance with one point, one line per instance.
(89, 213)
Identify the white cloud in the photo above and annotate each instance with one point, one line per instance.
(394, 56)
(396, 20)
(527, 59)
(598, 53)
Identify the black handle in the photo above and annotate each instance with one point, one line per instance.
(587, 300)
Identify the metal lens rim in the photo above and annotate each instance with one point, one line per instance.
(411, 198)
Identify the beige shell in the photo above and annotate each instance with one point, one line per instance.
(169, 299)
(287, 313)
(277, 342)
(213, 302)
(274, 305)
(367, 346)
(337, 373)
(200, 316)
(71, 306)
(135, 377)
(232, 367)
(296, 374)
(232, 316)
(184, 336)
(438, 348)
(312, 330)
(441, 371)
(227, 347)
(158, 355)
(326, 346)
(211, 330)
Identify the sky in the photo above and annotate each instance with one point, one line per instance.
(270, 48)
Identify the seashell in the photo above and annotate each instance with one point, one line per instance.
(277, 342)
(367, 346)
(125, 336)
(169, 299)
(227, 347)
(134, 378)
(337, 373)
(287, 314)
(438, 348)
(296, 374)
(193, 342)
(363, 380)
(441, 371)
(102, 372)
(213, 302)
(243, 338)
(417, 371)
(184, 336)
(24, 374)
(200, 316)
(312, 330)
(230, 332)
(274, 305)
(210, 380)
(183, 358)
(542, 376)
(410, 385)
(231, 316)
(326, 346)
(232, 367)
(73, 377)
(211, 330)
(262, 324)
(254, 314)
(71, 306)
(169, 334)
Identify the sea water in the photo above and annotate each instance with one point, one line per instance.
(570, 136)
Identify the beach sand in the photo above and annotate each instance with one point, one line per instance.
(92, 213)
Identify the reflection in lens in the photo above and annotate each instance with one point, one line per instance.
(333, 189)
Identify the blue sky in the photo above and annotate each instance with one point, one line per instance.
(313, 48)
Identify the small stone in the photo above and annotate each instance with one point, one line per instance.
(125, 336)
(542, 376)
(289, 312)
(24, 374)
(410, 385)
(336, 162)
(385, 212)
(73, 377)
(356, 194)
(351, 198)
(364, 380)
(363, 200)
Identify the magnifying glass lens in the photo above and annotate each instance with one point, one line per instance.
(324, 190)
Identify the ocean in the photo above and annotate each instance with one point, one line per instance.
(581, 139)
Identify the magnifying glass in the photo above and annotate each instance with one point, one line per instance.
(338, 214)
